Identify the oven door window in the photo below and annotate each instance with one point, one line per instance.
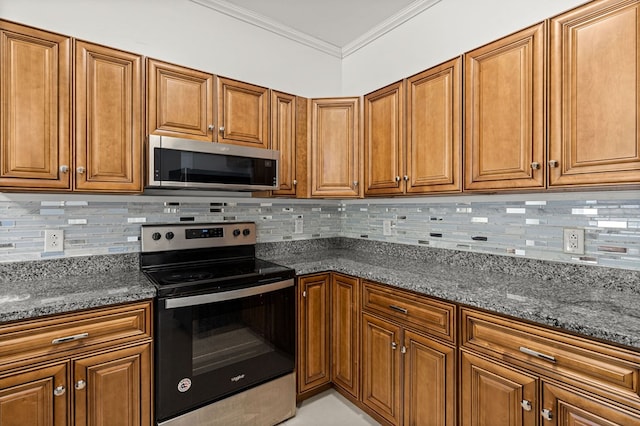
(207, 352)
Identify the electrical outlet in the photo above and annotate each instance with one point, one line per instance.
(386, 227)
(573, 240)
(53, 240)
(298, 225)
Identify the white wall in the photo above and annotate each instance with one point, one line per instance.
(186, 33)
(442, 32)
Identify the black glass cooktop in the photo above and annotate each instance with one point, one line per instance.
(215, 276)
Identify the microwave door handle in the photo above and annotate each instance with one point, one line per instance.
(203, 299)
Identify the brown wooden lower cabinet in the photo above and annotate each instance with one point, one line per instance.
(381, 367)
(313, 367)
(104, 379)
(345, 333)
(34, 397)
(394, 353)
(113, 387)
(407, 378)
(492, 394)
(570, 407)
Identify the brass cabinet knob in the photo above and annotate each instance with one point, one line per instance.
(553, 163)
(64, 169)
(80, 384)
(81, 170)
(535, 165)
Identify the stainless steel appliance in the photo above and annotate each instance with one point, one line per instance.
(224, 326)
(175, 163)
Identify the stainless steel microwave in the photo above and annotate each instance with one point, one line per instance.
(175, 163)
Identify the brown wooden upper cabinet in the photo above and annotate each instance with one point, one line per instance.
(283, 139)
(434, 129)
(180, 101)
(335, 147)
(505, 112)
(35, 118)
(108, 119)
(243, 113)
(425, 158)
(594, 91)
(37, 141)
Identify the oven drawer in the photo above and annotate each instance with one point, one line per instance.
(421, 313)
(26, 342)
(605, 369)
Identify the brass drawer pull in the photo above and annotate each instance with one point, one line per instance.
(399, 309)
(537, 354)
(69, 338)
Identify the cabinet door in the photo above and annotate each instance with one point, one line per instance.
(429, 382)
(505, 112)
(283, 139)
(37, 397)
(114, 388)
(108, 119)
(565, 407)
(335, 145)
(243, 113)
(493, 394)
(179, 101)
(594, 90)
(313, 331)
(434, 129)
(384, 141)
(381, 359)
(35, 74)
(345, 333)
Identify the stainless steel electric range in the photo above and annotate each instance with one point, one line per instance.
(224, 326)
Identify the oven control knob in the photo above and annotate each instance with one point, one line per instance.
(246, 232)
(169, 235)
(156, 236)
(236, 232)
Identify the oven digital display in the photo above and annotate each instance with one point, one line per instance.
(204, 233)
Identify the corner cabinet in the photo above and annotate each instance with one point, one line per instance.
(335, 147)
(594, 91)
(504, 106)
(345, 333)
(86, 368)
(108, 119)
(313, 368)
(35, 119)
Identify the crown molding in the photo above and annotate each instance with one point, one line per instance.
(414, 9)
(278, 28)
(271, 25)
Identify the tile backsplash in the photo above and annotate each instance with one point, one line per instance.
(520, 225)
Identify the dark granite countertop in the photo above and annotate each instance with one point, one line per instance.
(38, 288)
(595, 302)
(602, 310)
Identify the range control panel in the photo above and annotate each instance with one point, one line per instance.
(196, 235)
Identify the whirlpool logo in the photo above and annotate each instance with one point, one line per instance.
(237, 378)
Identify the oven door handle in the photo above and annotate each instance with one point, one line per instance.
(203, 299)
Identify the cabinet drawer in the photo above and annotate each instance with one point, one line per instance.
(607, 370)
(421, 313)
(26, 342)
